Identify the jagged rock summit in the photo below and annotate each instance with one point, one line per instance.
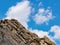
(13, 33)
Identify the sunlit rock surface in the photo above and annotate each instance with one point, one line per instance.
(13, 33)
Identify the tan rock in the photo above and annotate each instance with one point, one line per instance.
(13, 33)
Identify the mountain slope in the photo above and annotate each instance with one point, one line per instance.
(13, 33)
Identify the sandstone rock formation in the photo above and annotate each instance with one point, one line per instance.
(13, 33)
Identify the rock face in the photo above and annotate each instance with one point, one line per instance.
(13, 33)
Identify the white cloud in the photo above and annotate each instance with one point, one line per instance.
(56, 30)
(40, 4)
(21, 11)
(43, 16)
(40, 33)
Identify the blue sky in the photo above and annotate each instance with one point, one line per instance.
(39, 16)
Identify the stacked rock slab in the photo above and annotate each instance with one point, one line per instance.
(13, 33)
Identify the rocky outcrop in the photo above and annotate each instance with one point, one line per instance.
(13, 33)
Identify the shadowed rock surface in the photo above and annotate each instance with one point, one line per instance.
(13, 33)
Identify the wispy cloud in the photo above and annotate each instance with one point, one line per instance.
(20, 11)
(56, 30)
(43, 16)
(40, 33)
